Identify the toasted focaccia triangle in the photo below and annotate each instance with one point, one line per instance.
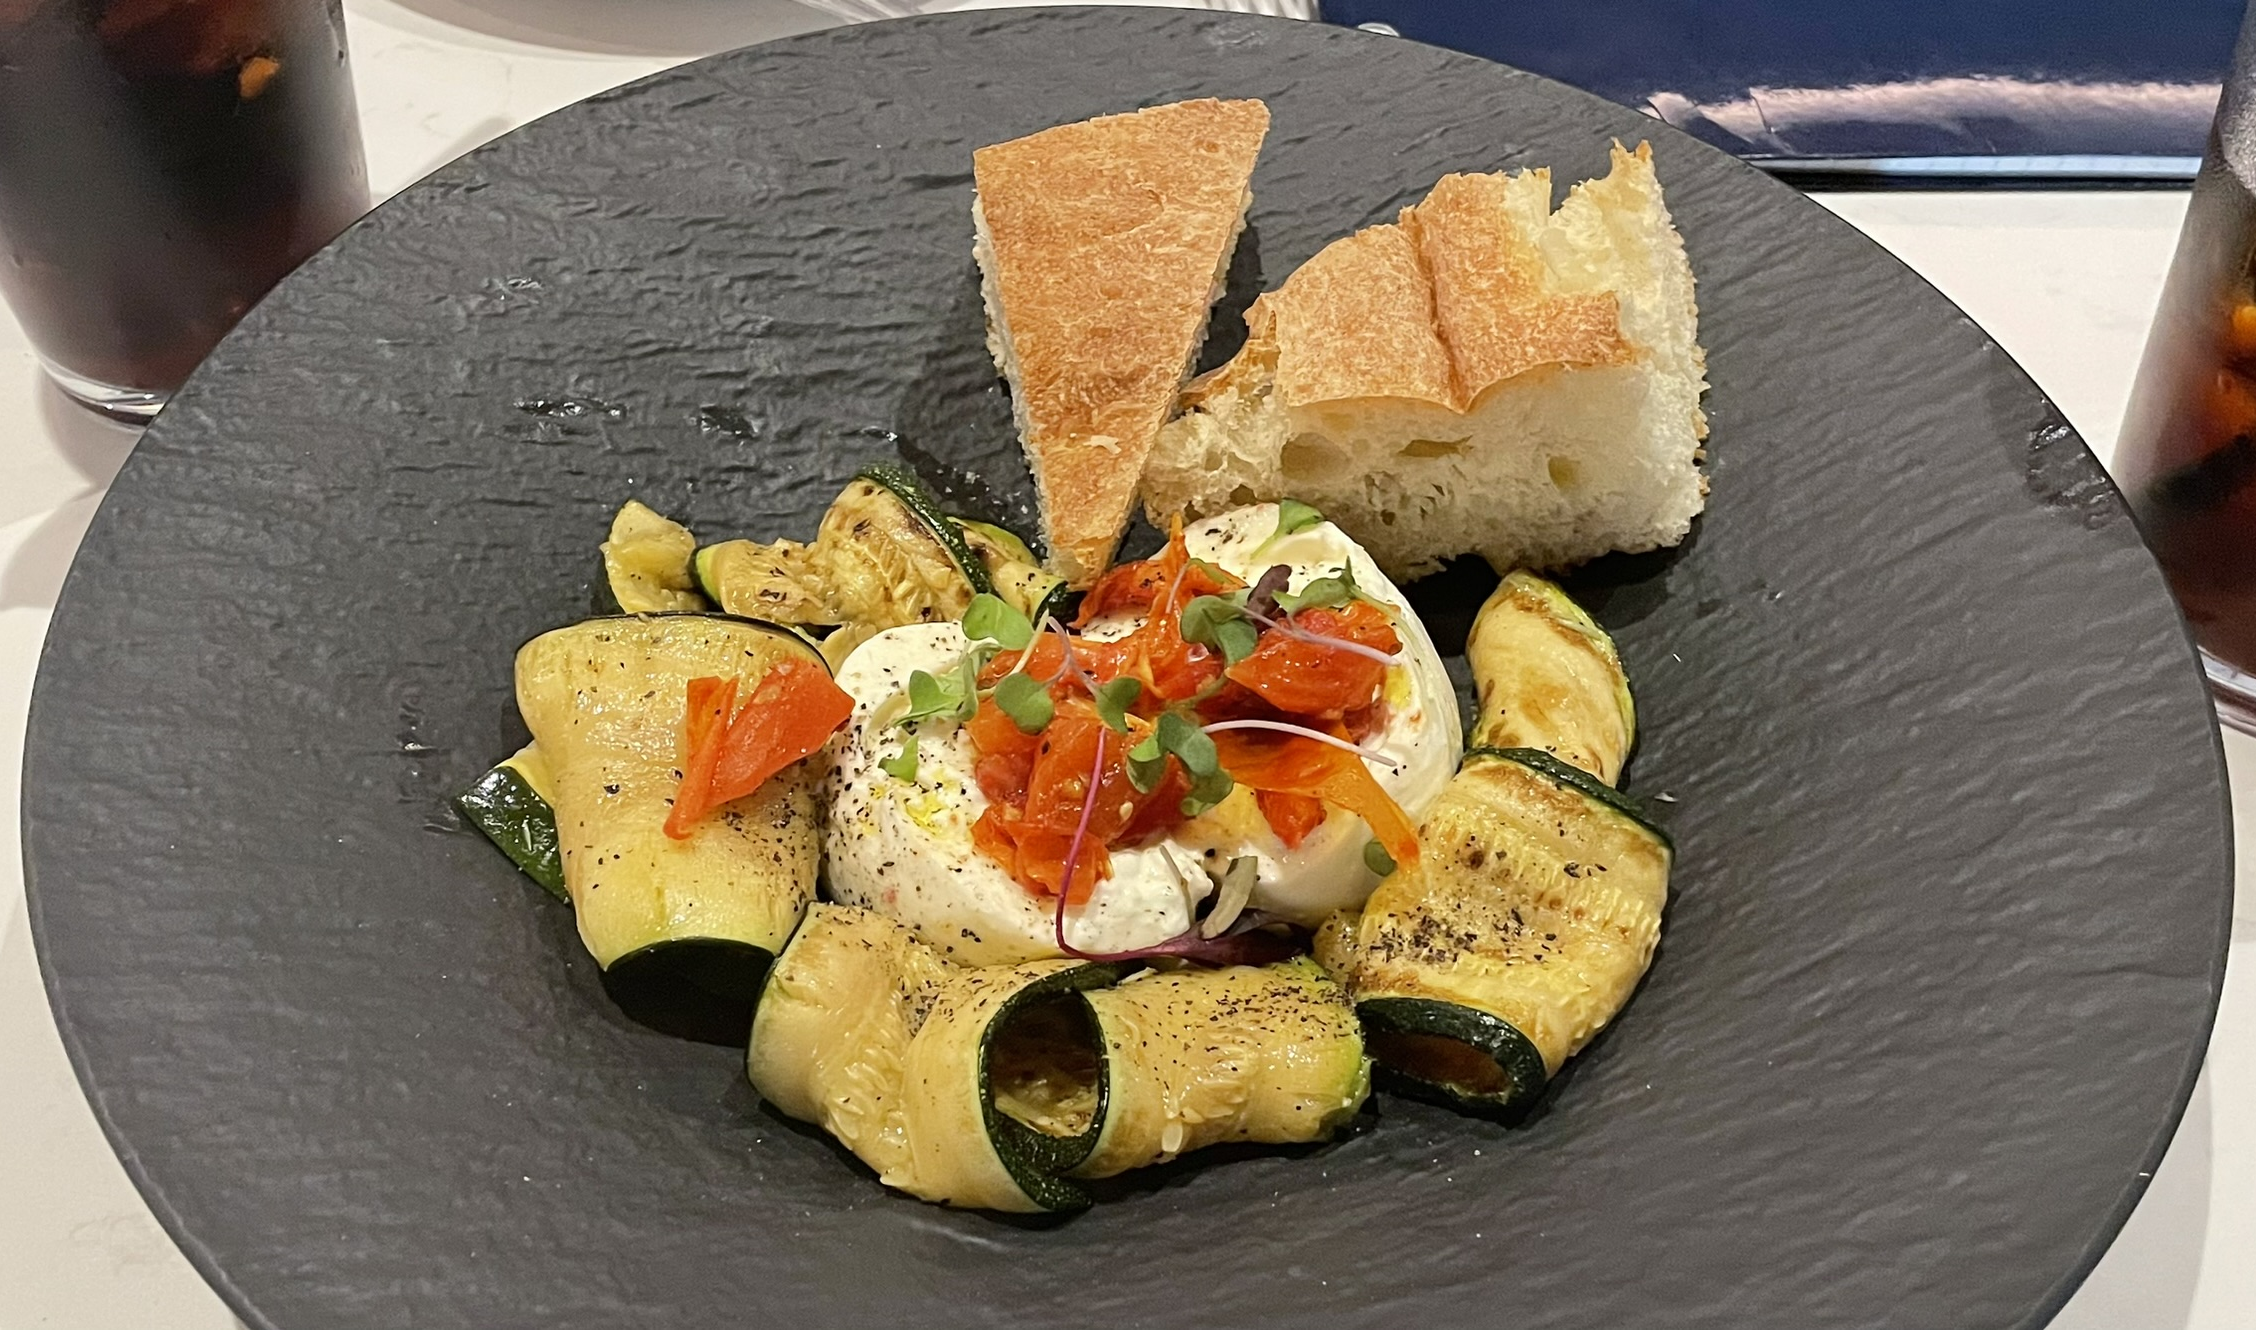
(1101, 246)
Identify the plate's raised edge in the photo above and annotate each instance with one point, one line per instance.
(199, 1256)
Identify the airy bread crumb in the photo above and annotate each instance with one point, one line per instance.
(1486, 376)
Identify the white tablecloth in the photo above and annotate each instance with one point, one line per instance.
(2065, 281)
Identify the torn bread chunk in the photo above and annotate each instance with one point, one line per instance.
(1485, 375)
(1101, 247)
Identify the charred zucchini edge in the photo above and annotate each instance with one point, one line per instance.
(904, 485)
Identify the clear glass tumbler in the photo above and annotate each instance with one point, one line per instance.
(2186, 459)
(162, 164)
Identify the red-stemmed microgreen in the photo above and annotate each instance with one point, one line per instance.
(1073, 848)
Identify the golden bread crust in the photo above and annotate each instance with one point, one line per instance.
(1106, 237)
(1490, 306)
(1441, 307)
(1357, 320)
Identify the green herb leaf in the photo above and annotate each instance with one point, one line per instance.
(1207, 791)
(954, 697)
(1221, 623)
(902, 765)
(1377, 859)
(1113, 700)
(1026, 702)
(1323, 593)
(992, 619)
(1194, 748)
(1177, 735)
(1293, 515)
(1147, 763)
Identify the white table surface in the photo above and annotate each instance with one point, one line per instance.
(2065, 281)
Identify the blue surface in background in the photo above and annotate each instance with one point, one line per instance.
(1865, 78)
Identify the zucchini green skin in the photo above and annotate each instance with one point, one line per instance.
(1019, 579)
(504, 805)
(904, 485)
(1517, 1064)
(1003, 538)
(1036, 1160)
(603, 700)
(1058, 604)
(1578, 780)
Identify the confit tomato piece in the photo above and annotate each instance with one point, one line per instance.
(729, 751)
(1168, 581)
(1006, 753)
(1169, 668)
(1292, 816)
(1292, 764)
(1312, 679)
(1032, 837)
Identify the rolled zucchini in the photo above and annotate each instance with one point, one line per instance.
(883, 556)
(778, 583)
(514, 805)
(973, 1088)
(833, 1026)
(1524, 927)
(1549, 678)
(1003, 1087)
(1202, 1057)
(994, 1087)
(604, 700)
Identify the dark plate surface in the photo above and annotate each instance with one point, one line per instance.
(1949, 915)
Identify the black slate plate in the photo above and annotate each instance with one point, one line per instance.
(1949, 918)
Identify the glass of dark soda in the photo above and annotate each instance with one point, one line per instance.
(162, 164)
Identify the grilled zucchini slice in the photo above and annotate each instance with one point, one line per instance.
(1200, 1057)
(1549, 678)
(1522, 930)
(604, 701)
(514, 805)
(646, 563)
(778, 582)
(883, 556)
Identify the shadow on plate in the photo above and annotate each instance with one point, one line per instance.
(702, 990)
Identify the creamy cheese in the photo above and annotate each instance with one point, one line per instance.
(905, 847)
